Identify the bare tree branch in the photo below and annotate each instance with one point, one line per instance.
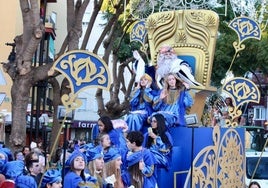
(97, 6)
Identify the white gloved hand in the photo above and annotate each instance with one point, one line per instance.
(136, 55)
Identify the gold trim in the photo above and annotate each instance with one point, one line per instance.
(221, 164)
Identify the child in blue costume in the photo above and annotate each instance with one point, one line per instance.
(113, 163)
(96, 164)
(141, 104)
(116, 135)
(52, 178)
(159, 141)
(140, 162)
(173, 101)
(75, 177)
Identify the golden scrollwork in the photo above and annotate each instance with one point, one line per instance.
(71, 102)
(139, 31)
(221, 164)
(189, 32)
(83, 64)
(242, 91)
(83, 70)
(245, 28)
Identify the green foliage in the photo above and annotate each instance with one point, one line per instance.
(123, 44)
(253, 56)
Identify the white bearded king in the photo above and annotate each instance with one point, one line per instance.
(168, 62)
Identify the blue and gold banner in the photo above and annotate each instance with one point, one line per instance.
(245, 28)
(139, 32)
(83, 70)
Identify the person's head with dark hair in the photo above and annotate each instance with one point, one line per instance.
(25, 150)
(159, 129)
(18, 155)
(254, 184)
(34, 166)
(105, 124)
(160, 126)
(229, 101)
(76, 163)
(135, 137)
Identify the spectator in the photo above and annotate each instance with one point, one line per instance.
(26, 150)
(18, 155)
(34, 168)
(254, 184)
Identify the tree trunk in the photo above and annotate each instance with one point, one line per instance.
(20, 99)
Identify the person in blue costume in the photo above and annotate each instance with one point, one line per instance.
(75, 177)
(96, 164)
(13, 169)
(3, 159)
(116, 135)
(159, 141)
(173, 101)
(141, 104)
(25, 181)
(112, 163)
(104, 141)
(140, 162)
(52, 179)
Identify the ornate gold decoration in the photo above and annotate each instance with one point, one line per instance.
(192, 33)
(181, 37)
(219, 165)
(138, 32)
(83, 70)
(189, 32)
(245, 28)
(76, 66)
(242, 91)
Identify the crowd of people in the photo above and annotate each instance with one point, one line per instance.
(26, 168)
(119, 157)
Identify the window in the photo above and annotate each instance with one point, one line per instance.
(84, 104)
(259, 113)
(2, 97)
(2, 79)
(262, 170)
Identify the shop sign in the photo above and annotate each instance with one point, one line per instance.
(83, 124)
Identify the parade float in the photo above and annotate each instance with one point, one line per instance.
(202, 156)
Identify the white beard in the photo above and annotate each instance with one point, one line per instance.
(164, 64)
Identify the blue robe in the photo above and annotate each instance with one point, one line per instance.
(161, 151)
(118, 140)
(72, 180)
(141, 108)
(149, 172)
(174, 113)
